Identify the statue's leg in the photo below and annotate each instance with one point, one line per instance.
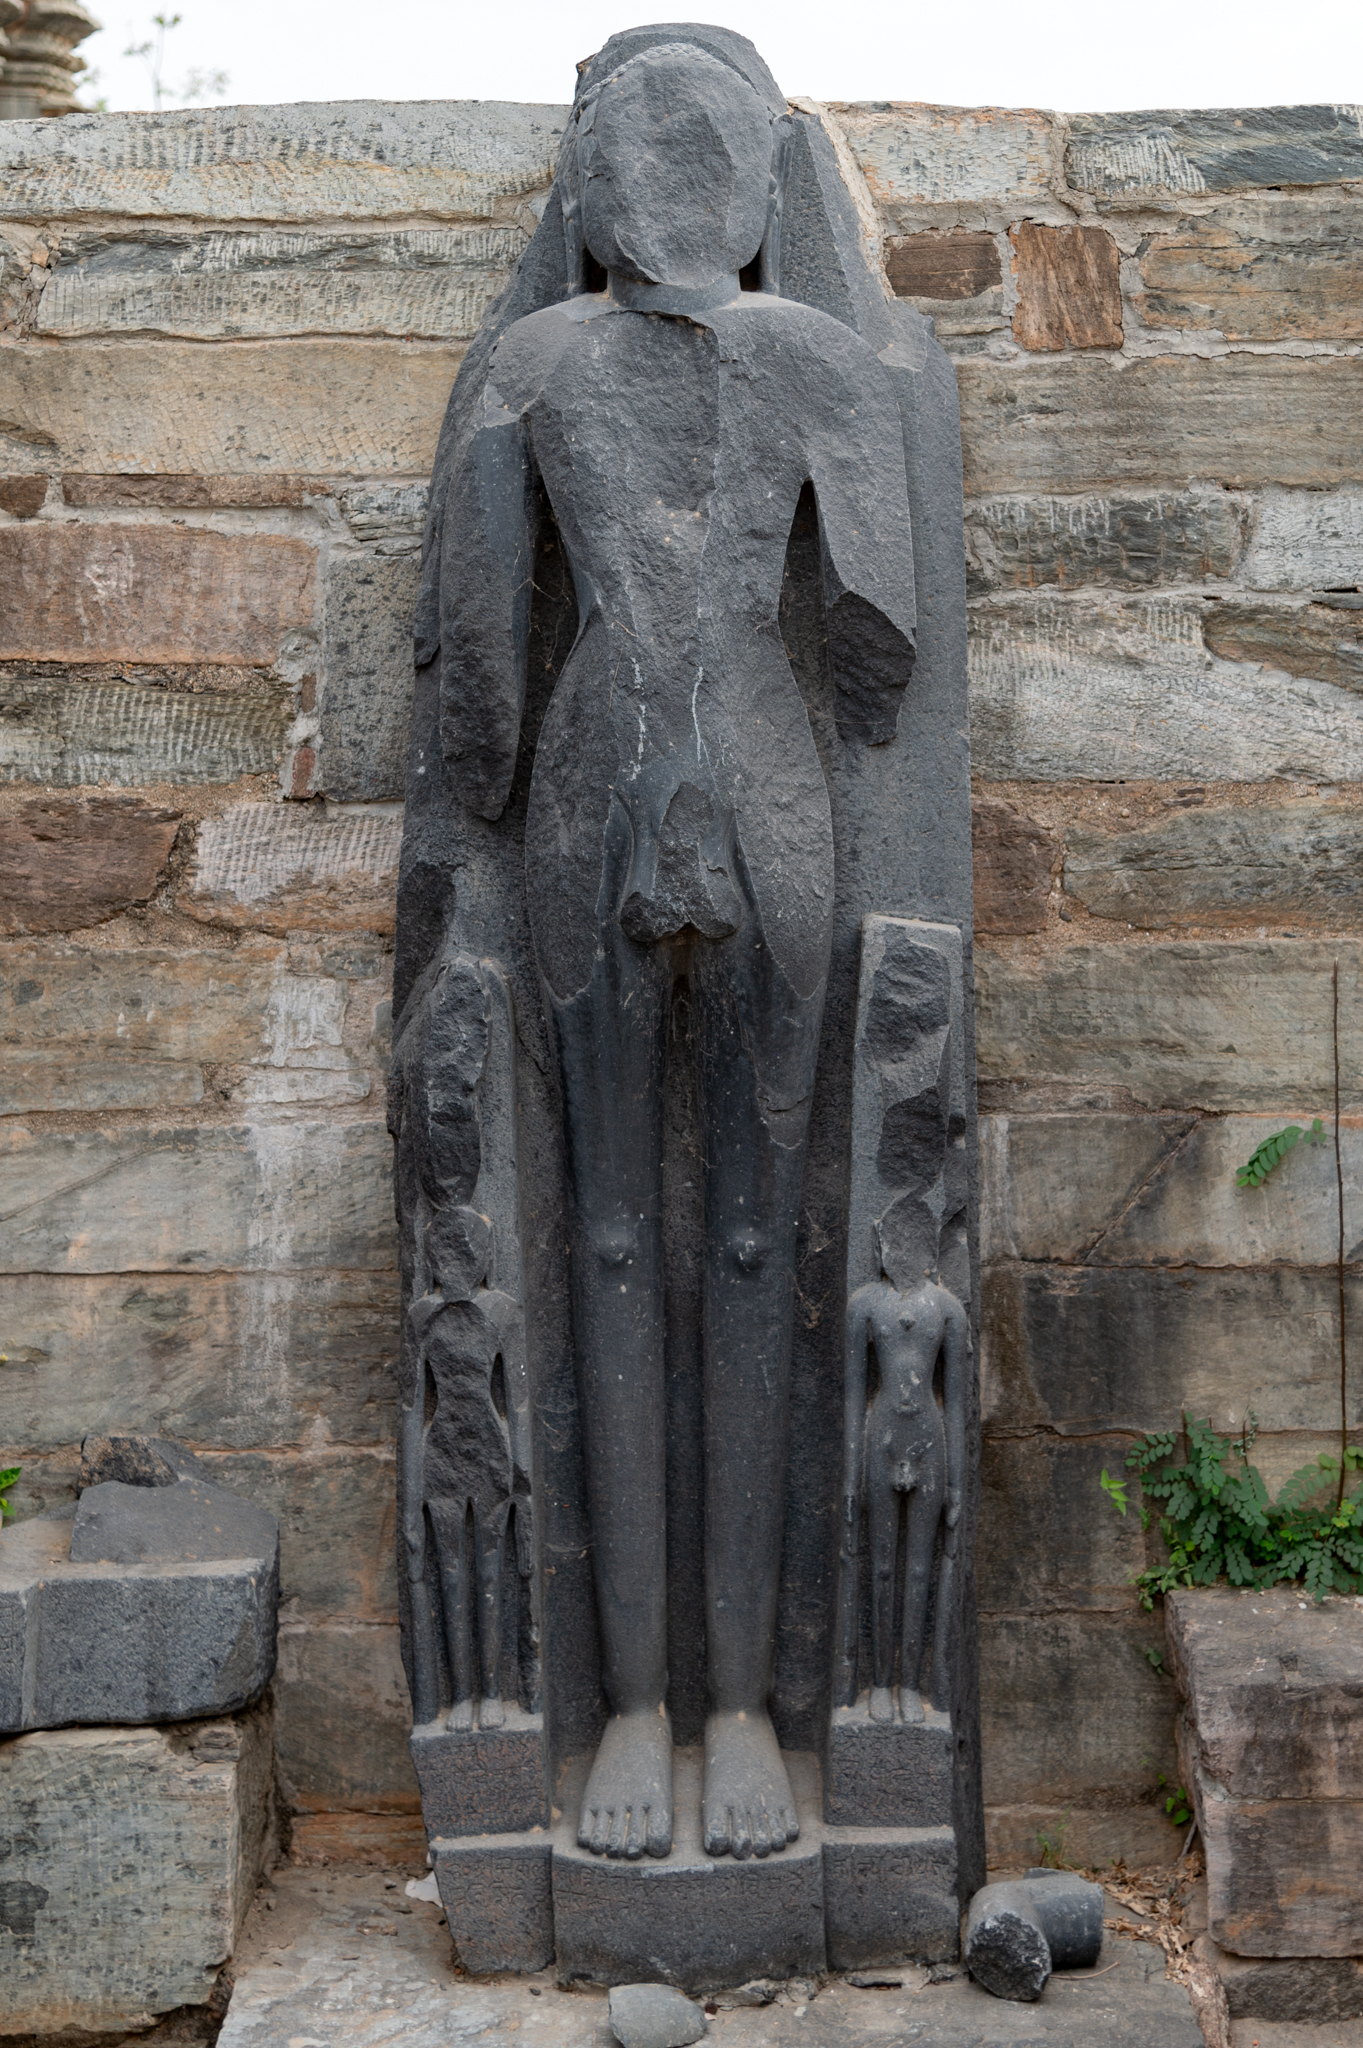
(610, 1039)
(759, 1044)
(449, 1529)
(490, 1546)
(925, 1512)
(884, 1506)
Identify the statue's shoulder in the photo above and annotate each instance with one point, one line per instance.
(527, 350)
(761, 326)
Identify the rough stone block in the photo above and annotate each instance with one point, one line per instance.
(151, 593)
(1053, 1186)
(692, 1920)
(1127, 688)
(70, 862)
(1293, 639)
(23, 496)
(1213, 866)
(498, 1899)
(955, 265)
(952, 161)
(1212, 150)
(336, 1511)
(1216, 1024)
(188, 1522)
(1299, 1991)
(138, 1461)
(90, 1641)
(1042, 1545)
(1069, 291)
(270, 869)
(1135, 538)
(654, 2016)
(1275, 271)
(321, 160)
(436, 282)
(133, 1856)
(367, 676)
(1013, 857)
(243, 1197)
(64, 732)
(230, 1360)
(1238, 420)
(323, 407)
(1306, 540)
(1087, 1833)
(890, 1896)
(344, 1717)
(893, 1774)
(482, 1781)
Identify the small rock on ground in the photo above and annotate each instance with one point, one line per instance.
(654, 2016)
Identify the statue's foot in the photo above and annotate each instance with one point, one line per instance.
(627, 1807)
(910, 1706)
(747, 1808)
(882, 1703)
(459, 1720)
(491, 1712)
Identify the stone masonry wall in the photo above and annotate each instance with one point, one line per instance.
(226, 340)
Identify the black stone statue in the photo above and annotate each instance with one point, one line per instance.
(672, 478)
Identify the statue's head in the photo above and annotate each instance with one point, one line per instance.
(674, 153)
(907, 1242)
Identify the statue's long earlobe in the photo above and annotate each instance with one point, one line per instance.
(769, 257)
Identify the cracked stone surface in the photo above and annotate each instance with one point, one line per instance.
(339, 1958)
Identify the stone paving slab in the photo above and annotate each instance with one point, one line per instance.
(335, 1958)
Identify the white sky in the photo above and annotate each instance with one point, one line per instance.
(1079, 55)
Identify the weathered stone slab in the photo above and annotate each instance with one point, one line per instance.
(1232, 866)
(482, 1781)
(1044, 1542)
(191, 1522)
(1323, 640)
(890, 1896)
(943, 266)
(965, 160)
(335, 1506)
(323, 160)
(331, 407)
(1012, 859)
(894, 1774)
(436, 282)
(99, 1639)
(1083, 1350)
(1086, 1833)
(1214, 1024)
(691, 1920)
(1274, 272)
(155, 1837)
(1037, 1201)
(1239, 420)
(498, 1900)
(23, 496)
(1219, 150)
(66, 734)
(133, 1028)
(270, 1196)
(1108, 689)
(196, 493)
(151, 593)
(343, 1718)
(273, 869)
(231, 1361)
(367, 676)
(1306, 540)
(1116, 1727)
(1296, 1991)
(1140, 539)
(1069, 292)
(66, 863)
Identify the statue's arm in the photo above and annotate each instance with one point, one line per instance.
(858, 1331)
(486, 583)
(955, 1385)
(867, 549)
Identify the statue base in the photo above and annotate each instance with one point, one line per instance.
(840, 1897)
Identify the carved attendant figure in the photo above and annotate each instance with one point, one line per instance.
(678, 824)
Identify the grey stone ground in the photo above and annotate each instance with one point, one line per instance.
(335, 1958)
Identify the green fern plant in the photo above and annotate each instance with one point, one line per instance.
(7, 1480)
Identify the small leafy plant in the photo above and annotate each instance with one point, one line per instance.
(1178, 1807)
(7, 1480)
(1265, 1157)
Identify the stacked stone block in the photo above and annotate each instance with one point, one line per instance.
(226, 341)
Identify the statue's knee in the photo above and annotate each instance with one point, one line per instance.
(746, 1250)
(616, 1242)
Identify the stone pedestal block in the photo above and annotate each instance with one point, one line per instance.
(692, 1920)
(129, 1643)
(479, 1781)
(498, 1899)
(887, 1774)
(133, 1854)
(1271, 1747)
(890, 1896)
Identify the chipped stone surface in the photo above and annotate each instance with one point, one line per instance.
(1213, 866)
(1068, 287)
(1217, 150)
(276, 869)
(1127, 688)
(328, 160)
(151, 594)
(328, 407)
(957, 159)
(65, 733)
(1015, 543)
(1306, 540)
(1324, 640)
(70, 862)
(157, 1837)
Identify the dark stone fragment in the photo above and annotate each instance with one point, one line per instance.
(890, 1896)
(654, 2016)
(482, 1780)
(958, 265)
(135, 1461)
(1017, 1932)
(497, 1898)
(187, 1523)
(892, 1774)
